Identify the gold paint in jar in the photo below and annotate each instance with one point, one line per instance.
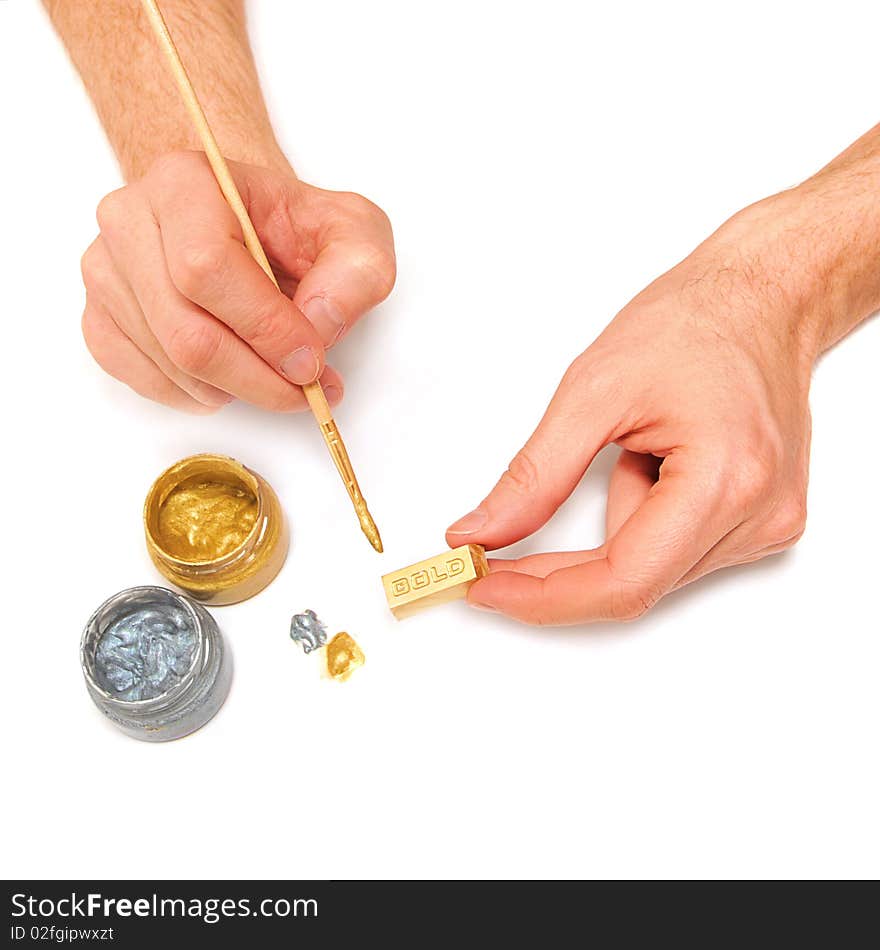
(215, 529)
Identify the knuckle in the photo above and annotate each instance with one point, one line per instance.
(268, 327)
(375, 259)
(591, 375)
(752, 477)
(112, 210)
(95, 269)
(632, 596)
(99, 343)
(193, 346)
(539, 613)
(521, 476)
(716, 480)
(361, 207)
(634, 600)
(93, 332)
(790, 521)
(194, 266)
(576, 375)
(378, 266)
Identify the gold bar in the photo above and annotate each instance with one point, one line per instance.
(444, 577)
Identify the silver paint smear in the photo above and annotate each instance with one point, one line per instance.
(307, 630)
(145, 653)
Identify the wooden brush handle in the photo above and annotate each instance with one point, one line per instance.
(313, 391)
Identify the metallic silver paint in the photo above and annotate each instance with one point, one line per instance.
(144, 632)
(308, 631)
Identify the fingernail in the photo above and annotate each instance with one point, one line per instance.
(486, 607)
(470, 523)
(214, 400)
(301, 366)
(333, 394)
(326, 318)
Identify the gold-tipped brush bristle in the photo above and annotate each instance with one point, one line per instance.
(368, 526)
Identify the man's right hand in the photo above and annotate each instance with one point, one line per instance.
(177, 308)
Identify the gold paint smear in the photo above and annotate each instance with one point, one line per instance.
(344, 656)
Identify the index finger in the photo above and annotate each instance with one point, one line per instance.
(684, 516)
(210, 266)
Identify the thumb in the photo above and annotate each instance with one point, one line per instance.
(578, 422)
(347, 279)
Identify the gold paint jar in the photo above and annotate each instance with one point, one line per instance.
(215, 529)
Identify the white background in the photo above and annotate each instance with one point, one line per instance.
(540, 163)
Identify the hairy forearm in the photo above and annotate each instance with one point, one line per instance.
(121, 65)
(812, 253)
(841, 208)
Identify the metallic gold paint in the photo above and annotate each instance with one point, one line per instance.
(206, 520)
(344, 656)
(368, 526)
(215, 529)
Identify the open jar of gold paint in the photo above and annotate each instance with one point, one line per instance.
(215, 529)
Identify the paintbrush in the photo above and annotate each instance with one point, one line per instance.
(314, 392)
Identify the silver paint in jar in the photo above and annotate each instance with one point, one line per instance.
(155, 663)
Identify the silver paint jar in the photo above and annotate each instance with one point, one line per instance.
(125, 655)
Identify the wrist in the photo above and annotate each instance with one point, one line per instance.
(262, 151)
(814, 252)
(751, 281)
(784, 274)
